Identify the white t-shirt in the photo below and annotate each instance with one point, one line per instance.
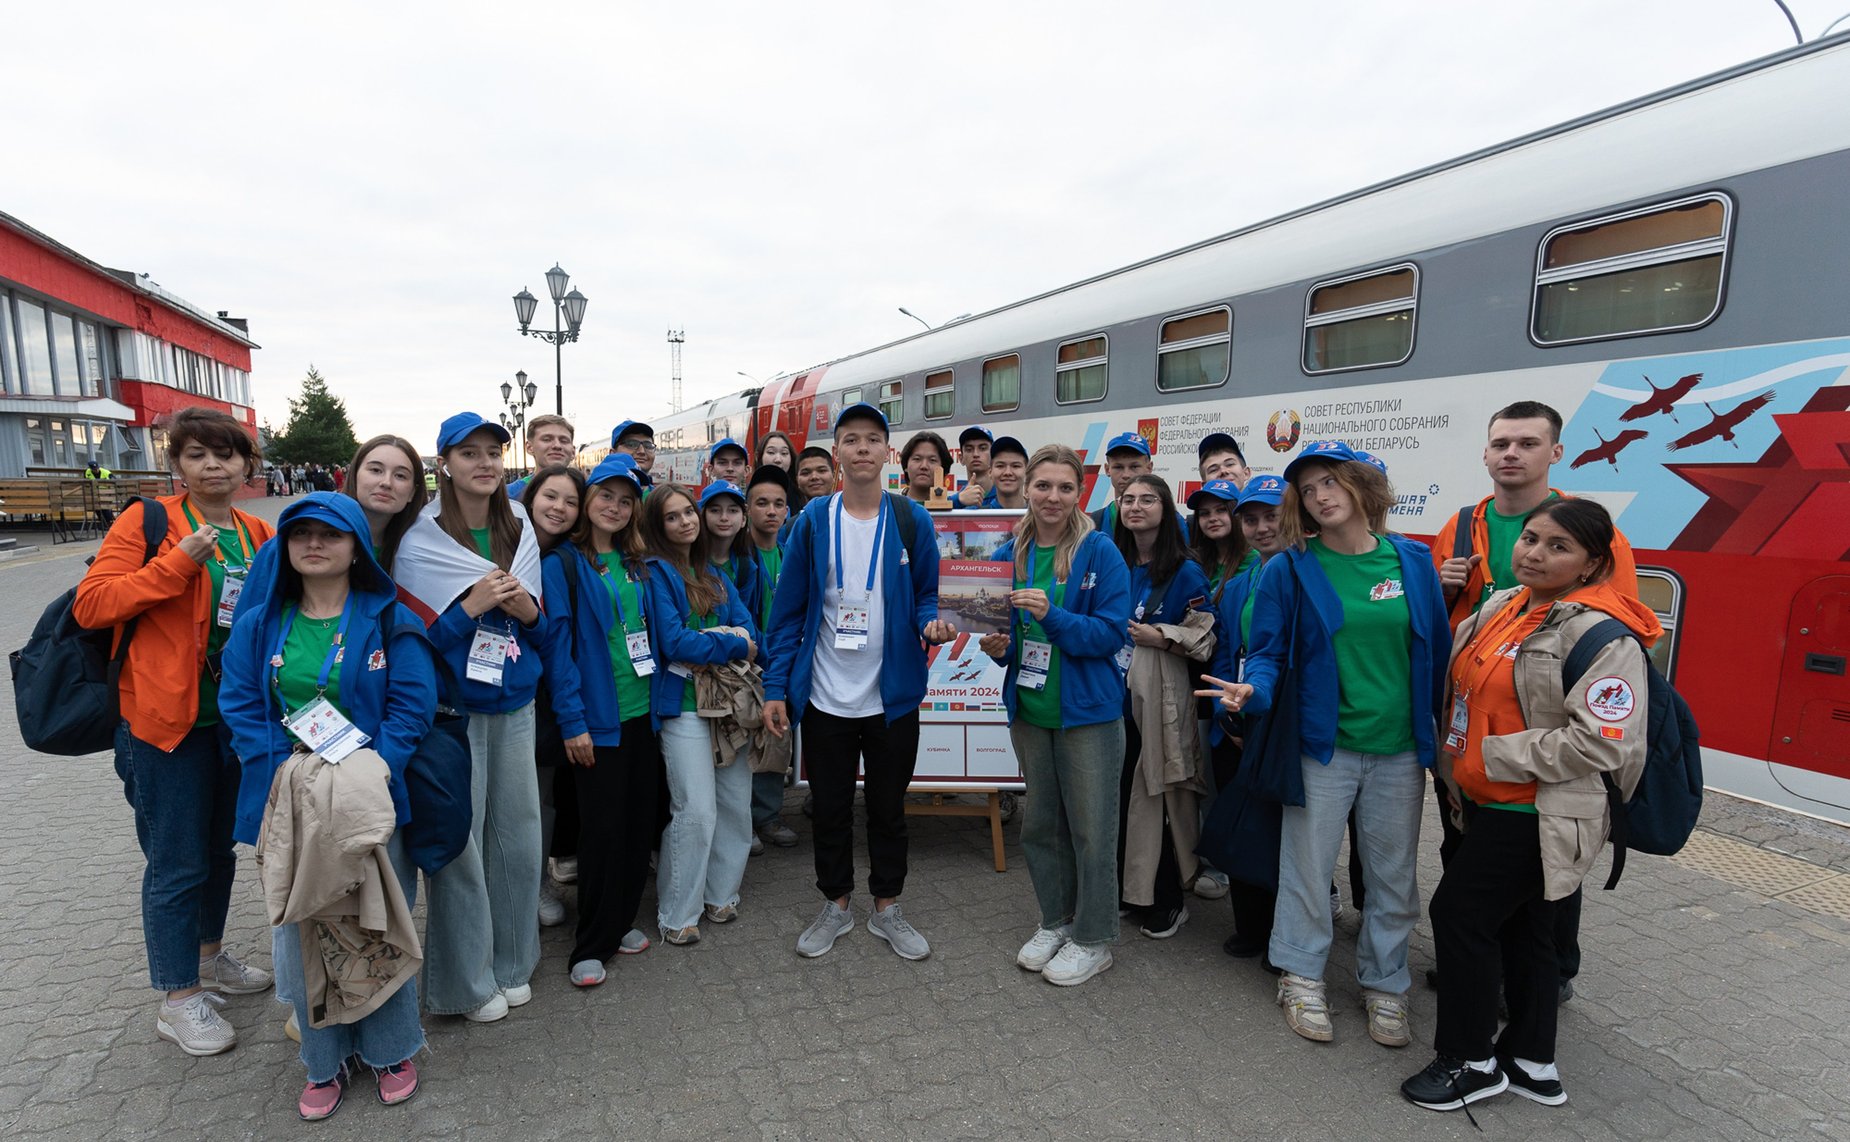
(846, 683)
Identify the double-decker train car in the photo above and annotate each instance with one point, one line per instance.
(1670, 274)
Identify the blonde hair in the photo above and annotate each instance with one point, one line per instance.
(1366, 485)
(1078, 523)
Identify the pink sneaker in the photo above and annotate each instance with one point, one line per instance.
(319, 1100)
(399, 1083)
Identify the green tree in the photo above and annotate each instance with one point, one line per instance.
(318, 431)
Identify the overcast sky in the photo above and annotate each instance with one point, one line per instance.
(369, 184)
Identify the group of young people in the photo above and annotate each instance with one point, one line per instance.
(611, 669)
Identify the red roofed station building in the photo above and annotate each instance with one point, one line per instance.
(92, 358)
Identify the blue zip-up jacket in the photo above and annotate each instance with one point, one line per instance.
(388, 691)
(1225, 664)
(1088, 628)
(520, 677)
(908, 591)
(749, 577)
(583, 686)
(1167, 604)
(673, 640)
(1320, 616)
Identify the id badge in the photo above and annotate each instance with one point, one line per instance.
(487, 657)
(1036, 660)
(642, 660)
(680, 670)
(228, 599)
(851, 625)
(1123, 658)
(1460, 725)
(325, 730)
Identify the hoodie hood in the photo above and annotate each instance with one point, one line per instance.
(1605, 597)
(335, 510)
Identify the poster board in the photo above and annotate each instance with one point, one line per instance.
(963, 724)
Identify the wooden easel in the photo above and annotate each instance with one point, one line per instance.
(991, 808)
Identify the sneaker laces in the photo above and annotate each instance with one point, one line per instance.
(199, 1009)
(1305, 995)
(1451, 1077)
(895, 921)
(224, 966)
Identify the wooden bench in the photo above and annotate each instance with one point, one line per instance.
(73, 508)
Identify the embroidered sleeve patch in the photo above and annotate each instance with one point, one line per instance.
(1610, 699)
(1616, 733)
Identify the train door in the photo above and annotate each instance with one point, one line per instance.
(1811, 720)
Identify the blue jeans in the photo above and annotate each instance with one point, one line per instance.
(1069, 826)
(483, 929)
(185, 803)
(1386, 792)
(767, 798)
(384, 1038)
(705, 846)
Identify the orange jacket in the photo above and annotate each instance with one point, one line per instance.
(173, 596)
(1624, 567)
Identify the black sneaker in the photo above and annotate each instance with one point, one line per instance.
(1548, 1092)
(1448, 1084)
(1567, 992)
(1244, 947)
(1162, 925)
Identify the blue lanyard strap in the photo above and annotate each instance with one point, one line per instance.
(1054, 597)
(873, 561)
(334, 649)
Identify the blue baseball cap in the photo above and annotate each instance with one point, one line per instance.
(1218, 442)
(975, 430)
(616, 466)
(1372, 461)
(863, 411)
(1223, 490)
(629, 427)
(1327, 451)
(720, 488)
(1262, 490)
(1128, 441)
(728, 442)
(452, 431)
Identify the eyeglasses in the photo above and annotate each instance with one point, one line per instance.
(636, 444)
(1141, 502)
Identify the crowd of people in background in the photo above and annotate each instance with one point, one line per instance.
(598, 678)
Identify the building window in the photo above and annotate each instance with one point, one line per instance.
(90, 358)
(1648, 271)
(35, 442)
(1002, 383)
(1660, 589)
(35, 375)
(1361, 322)
(9, 377)
(64, 354)
(1079, 371)
(1195, 351)
(892, 403)
(940, 395)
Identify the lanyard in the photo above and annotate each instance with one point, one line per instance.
(873, 561)
(334, 649)
(1054, 597)
(1487, 644)
(618, 576)
(239, 534)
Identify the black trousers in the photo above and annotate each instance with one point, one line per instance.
(1494, 932)
(1567, 912)
(1166, 893)
(833, 749)
(616, 830)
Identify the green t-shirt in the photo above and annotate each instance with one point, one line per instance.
(772, 558)
(1504, 531)
(233, 555)
(1040, 707)
(696, 622)
(482, 544)
(1251, 568)
(304, 650)
(1374, 711)
(627, 618)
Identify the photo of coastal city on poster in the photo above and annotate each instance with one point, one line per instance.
(974, 594)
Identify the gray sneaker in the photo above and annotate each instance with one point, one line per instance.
(777, 833)
(194, 1023)
(904, 939)
(829, 923)
(227, 974)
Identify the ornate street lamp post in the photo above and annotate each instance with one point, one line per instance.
(519, 398)
(568, 313)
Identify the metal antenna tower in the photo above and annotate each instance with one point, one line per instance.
(675, 338)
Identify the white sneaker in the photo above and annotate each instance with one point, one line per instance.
(495, 1008)
(552, 909)
(227, 974)
(519, 995)
(565, 869)
(1307, 1008)
(1074, 964)
(1042, 947)
(1209, 887)
(195, 1024)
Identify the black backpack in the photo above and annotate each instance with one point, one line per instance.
(1663, 810)
(64, 678)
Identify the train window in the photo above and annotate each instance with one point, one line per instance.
(940, 395)
(850, 397)
(1079, 372)
(1002, 383)
(1660, 589)
(1194, 351)
(1648, 271)
(1361, 322)
(892, 403)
